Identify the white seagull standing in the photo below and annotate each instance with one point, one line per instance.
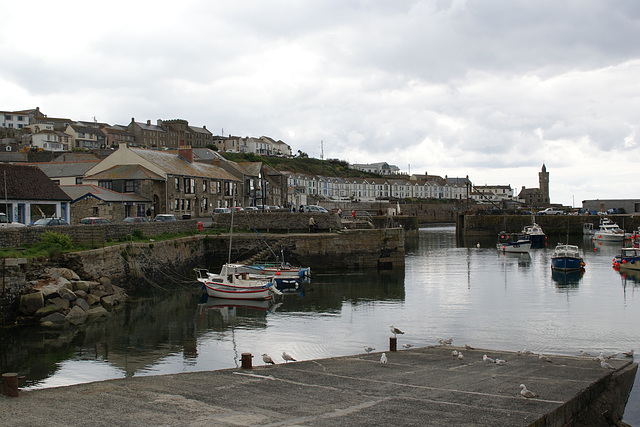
(528, 394)
(368, 349)
(267, 359)
(287, 357)
(488, 359)
(544, 358)
(606, 365)
(383, 359)
(395, 331)
(460, 356)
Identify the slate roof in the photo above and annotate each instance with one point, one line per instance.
(62, 169)
(137, 172)
(75, 157)
(82, 191)
(25, 182)
(171, 163)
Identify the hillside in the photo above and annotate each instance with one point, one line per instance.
(306, 165)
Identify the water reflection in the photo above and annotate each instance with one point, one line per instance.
(567, 280)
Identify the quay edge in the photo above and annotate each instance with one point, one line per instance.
(419, 386)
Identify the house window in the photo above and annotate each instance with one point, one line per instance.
(129, 186)
(177, 204)
(106, 184)
(204, 186)
(56, 181)
(78, 180)
(177, 184)
(189, 186)
(95, 211)
(205, 204)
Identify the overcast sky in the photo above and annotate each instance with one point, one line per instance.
(491, 89)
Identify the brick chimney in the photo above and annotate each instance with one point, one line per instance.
(186, 152)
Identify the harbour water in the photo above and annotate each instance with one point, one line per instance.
(476, 295)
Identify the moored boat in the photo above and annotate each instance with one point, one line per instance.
(628, 259)
(521, 245)
(536, 235)
(566, 257)
(232, 284)
(608, 231)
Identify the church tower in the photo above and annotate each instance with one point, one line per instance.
(543, 178)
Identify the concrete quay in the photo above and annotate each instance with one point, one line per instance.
(423, 386)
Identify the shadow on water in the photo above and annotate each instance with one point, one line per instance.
(160, 322)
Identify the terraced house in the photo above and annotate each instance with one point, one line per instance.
(170, 179)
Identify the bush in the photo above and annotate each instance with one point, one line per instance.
(52, 238)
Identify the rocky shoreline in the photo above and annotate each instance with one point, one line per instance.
(60, 297)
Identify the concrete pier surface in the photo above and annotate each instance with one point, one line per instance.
(423, 386)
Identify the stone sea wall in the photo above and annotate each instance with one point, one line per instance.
(135, 266)
(491, 225)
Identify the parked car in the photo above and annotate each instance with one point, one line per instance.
(5, 223)
(94, 220)
(49, 222)
(220, 211)
(250, 208)
(164, 218)
(315, 208)
(131, 219)
(550, 211)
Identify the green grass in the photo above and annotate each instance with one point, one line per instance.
(53, 244)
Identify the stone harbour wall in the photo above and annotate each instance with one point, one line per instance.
(135, 267)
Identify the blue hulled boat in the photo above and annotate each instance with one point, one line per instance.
(566, 258)
(536, 235)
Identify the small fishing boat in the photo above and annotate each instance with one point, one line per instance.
(520, 245)
(276, 269)
(628, 259)
(536, 235)
(587, 229)
(566, 257)
(609, 231)
(232, 284)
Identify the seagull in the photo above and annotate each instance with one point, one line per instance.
(368, 349)
(628, 353)
(407, 345)
(524, 351)
(500, 362)
(395, 331)
(460, 356)
(383, 359)
(287, 357)
(606, 365)
(478, 245)
(528, 394)
(468, 347)
(454, 353)
(544, 358)
(488, 359)
(442, 341)
(584, 353)
(267, 359)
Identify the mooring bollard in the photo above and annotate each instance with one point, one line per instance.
(246, 361)
(393, 343)
(10, 384)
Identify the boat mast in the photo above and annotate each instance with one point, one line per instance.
(231, 228)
